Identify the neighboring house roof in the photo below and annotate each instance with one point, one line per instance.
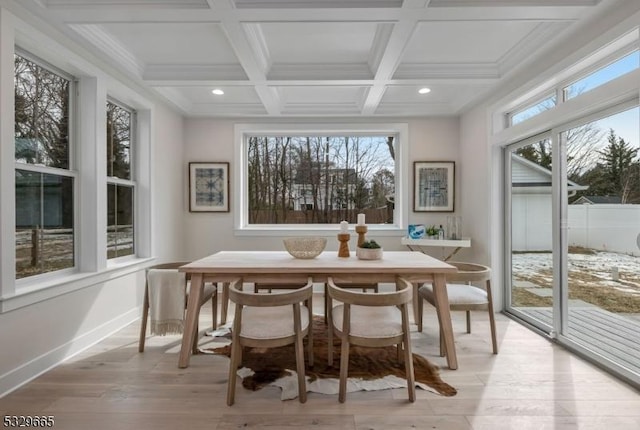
(528, 176)
(597, 200)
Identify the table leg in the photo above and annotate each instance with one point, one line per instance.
(444, 318)
(225, 302)
(416, 297)
(191, 319)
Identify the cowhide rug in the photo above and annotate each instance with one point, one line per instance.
(366, 364)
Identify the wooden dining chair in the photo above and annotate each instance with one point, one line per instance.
(209, 293)
(268, 321)
(468, 290)
(363, 286)
(371, 320)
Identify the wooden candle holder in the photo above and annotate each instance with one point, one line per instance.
(343, 251)
(361, 230)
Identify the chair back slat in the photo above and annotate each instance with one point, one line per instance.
(469, 272)
(402, 295)
(289, 297)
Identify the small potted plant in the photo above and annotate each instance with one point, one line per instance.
(369, 250)
(432, 232)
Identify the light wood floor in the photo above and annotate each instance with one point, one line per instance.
(610, 335)
(530, 384)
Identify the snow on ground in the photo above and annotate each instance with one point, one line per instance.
(599, 265)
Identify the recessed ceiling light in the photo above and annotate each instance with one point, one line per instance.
(217, 92)
(424, 90)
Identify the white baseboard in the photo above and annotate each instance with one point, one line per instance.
(19, 376)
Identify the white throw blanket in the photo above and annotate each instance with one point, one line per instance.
(166, 301)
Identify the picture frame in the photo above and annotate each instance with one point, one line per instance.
(208, 187)
(433, 186)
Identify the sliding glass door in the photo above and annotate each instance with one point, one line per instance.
(573, 235)
(529, 207)
(602, 305)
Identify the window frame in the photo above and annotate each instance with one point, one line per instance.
(619, 54)
(240, 202)
(70, 172)
(131, 182)
(87, 162)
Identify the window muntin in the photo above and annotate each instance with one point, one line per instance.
(533, 110)
(603, 75)
(120, 186)
(304, 179)
(44, 185)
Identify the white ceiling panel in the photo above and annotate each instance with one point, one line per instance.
(465, 42)
(232, 94)
(169, 43)
(318, 58)
(319, 42)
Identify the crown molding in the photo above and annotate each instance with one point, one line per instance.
(227, 109)
(111, 46)
(448, 71)
(319, 72)
(413, 109)
(172, 4)
(321, 109)
(176, 98)
(194, 72)
(543, 34)
(278, 4)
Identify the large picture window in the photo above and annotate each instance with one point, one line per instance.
(320, 179)
(44, 184)
(120, 186)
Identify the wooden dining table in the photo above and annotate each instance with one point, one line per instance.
(274, 266)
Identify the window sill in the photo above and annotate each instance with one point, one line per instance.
(53, 287)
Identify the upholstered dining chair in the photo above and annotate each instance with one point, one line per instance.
(270, 286)
(468, 290)
(182, 288)
(371, 320)
(271, 320)
(364, 286)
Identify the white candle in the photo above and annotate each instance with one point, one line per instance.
(344, 227)
(360, 219)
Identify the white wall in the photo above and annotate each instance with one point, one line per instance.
(43, 329)
(39, 336)
(213, 140)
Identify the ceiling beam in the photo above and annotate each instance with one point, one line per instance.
(252, 62)
(123, 14)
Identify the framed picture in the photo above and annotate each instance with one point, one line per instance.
(433, 186)
(208, 187)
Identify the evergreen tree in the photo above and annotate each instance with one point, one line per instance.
(621, 168)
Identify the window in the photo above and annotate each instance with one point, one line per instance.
(320, 179)
(532, 110)
(603, 75)
(44, 179)
(120, 186)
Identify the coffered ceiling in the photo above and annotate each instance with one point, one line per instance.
(317, 58)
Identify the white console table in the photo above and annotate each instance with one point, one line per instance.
(419, 244)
